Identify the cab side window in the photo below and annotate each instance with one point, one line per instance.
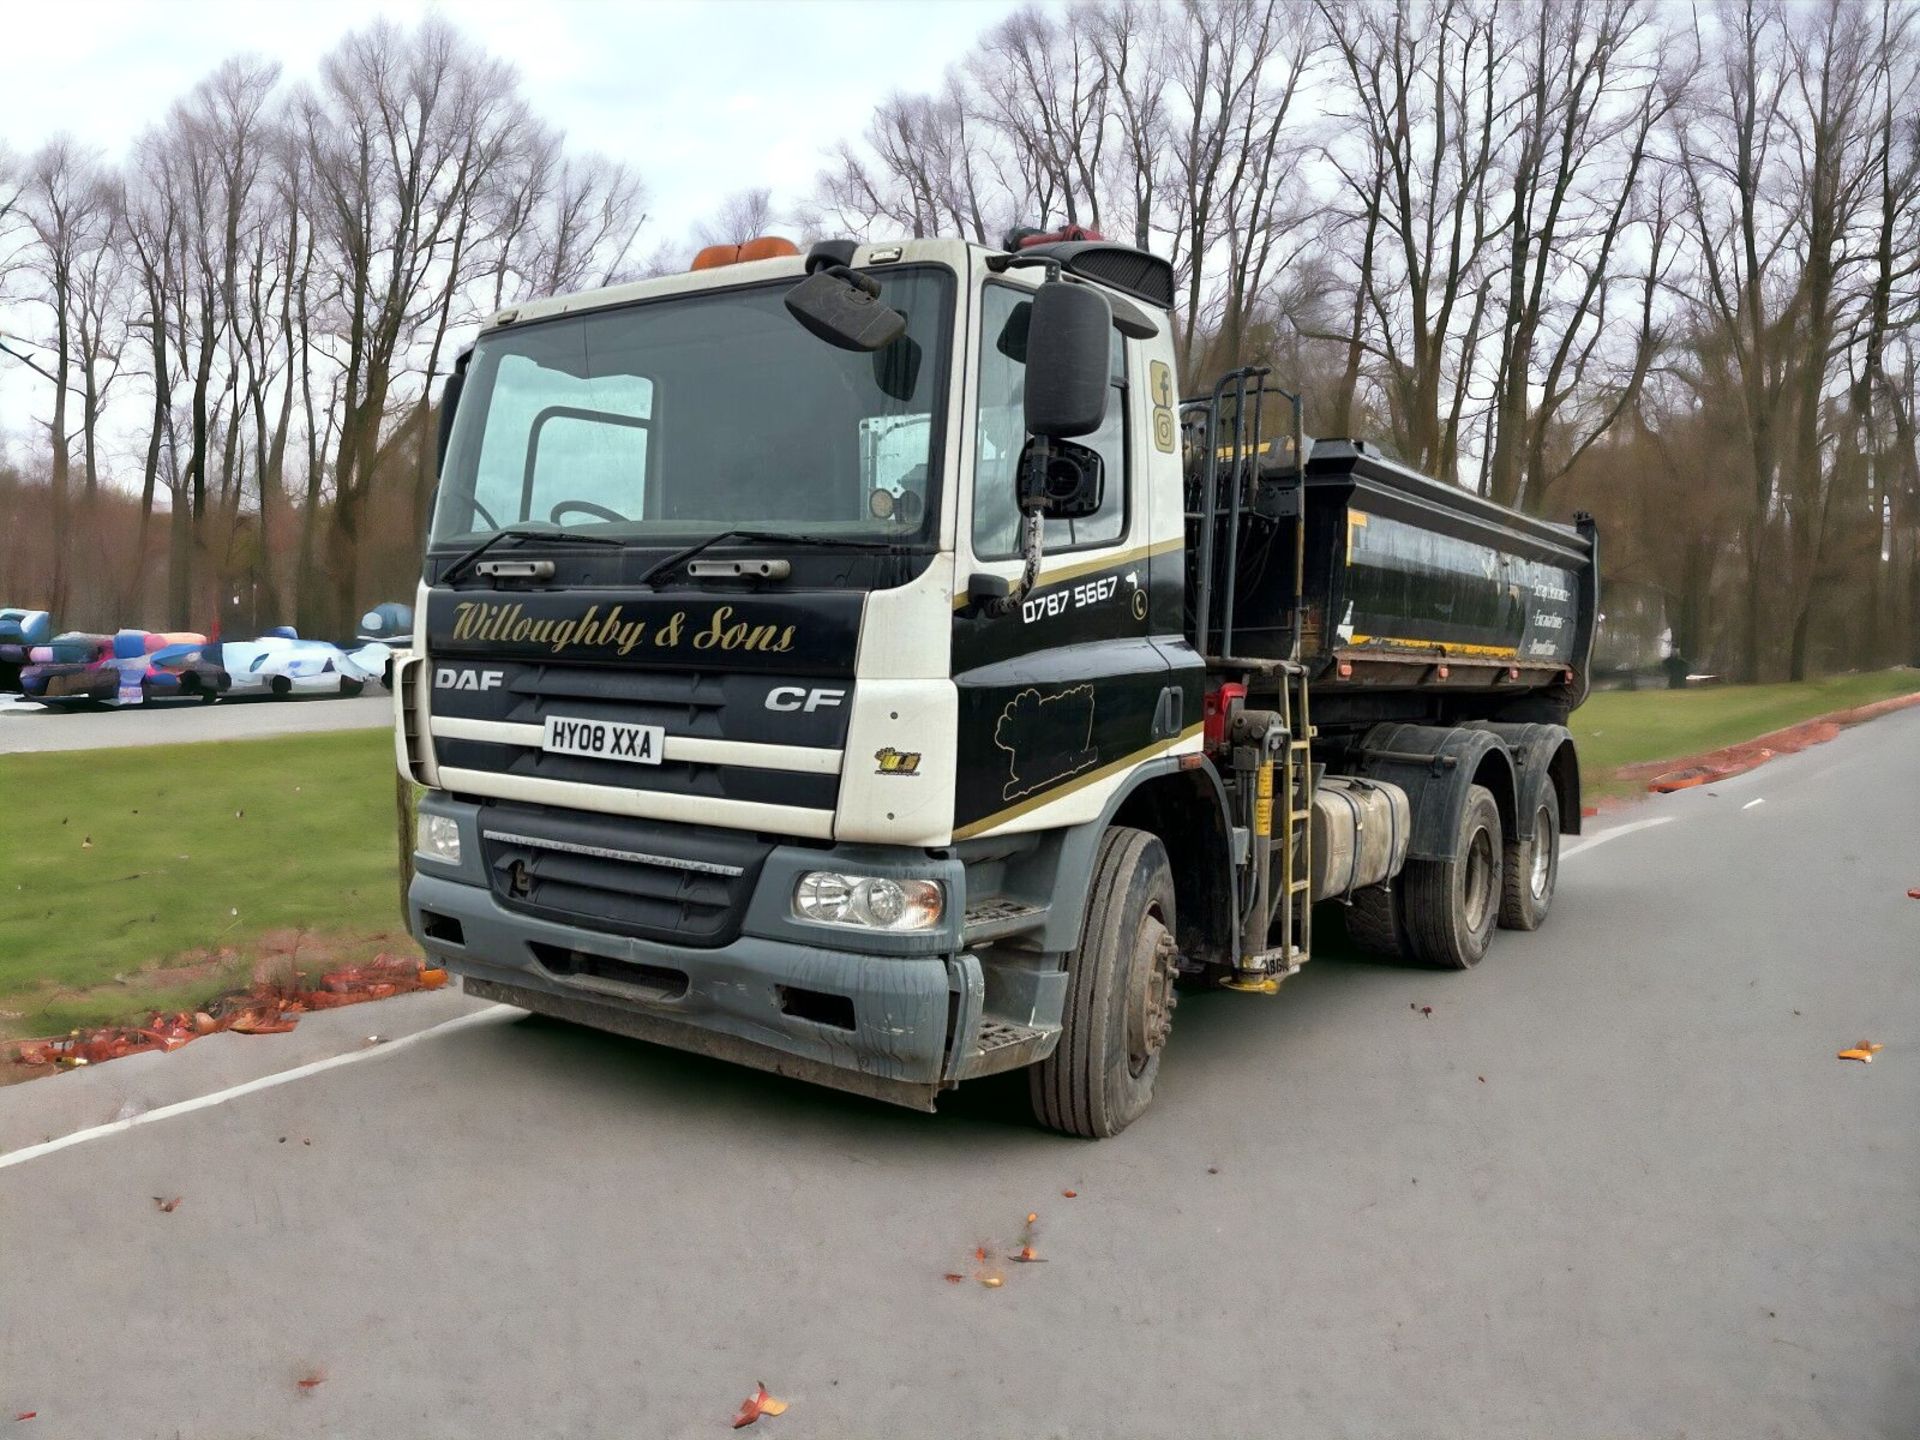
(1002, 432)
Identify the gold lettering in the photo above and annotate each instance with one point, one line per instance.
(715, 633)
(510, 624)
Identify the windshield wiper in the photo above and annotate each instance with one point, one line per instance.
(756, 537)
(520, 532)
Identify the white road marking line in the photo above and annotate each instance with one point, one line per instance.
(491, 1014)
(1751, 803)
(1583, 846)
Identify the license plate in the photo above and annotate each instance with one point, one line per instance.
(604, 740)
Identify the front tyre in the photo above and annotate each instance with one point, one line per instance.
(1533, 866)
(1120, 994)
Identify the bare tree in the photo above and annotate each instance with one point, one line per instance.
(741, 216)
(1425, 81)
(390, 139)
(68, 206)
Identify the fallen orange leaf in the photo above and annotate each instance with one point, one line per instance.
(25, 1415)
(1863, 1050)
(953, 1277)
(757, 1404)
(313, 1381)
(1032, 1216)
(1070, 1194)
(992, 1282)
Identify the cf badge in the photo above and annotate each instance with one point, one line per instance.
(798, 697)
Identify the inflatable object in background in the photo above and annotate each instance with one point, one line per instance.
(280, 663)
(20, 631)
(391, 625)
(129, 667)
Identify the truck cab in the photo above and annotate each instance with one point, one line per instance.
(806, 674)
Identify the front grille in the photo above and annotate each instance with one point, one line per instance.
(626, 877)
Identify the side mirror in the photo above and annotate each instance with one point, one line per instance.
(1068, 338)
(1061, 480)
(449, 403)
(843, 308)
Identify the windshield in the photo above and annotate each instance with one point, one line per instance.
(672, 419)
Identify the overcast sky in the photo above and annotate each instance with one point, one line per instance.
(701, 99)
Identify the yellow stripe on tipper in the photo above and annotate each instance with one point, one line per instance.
(1444, 647)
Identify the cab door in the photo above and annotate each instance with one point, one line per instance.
(1063, 693)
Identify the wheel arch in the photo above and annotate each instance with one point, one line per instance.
(1183, 805)
(1542, 754)
(1437, 766)
(1186, 809)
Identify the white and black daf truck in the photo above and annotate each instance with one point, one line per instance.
(863, 665)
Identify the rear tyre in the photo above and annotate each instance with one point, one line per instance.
(1373, 920)
(1120, 994)
(1532, 867)
(350, 689)
(1450, 906)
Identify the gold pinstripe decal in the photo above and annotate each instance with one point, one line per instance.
(1079, 782)
(1088, 567)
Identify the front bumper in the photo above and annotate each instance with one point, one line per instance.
(746, 992)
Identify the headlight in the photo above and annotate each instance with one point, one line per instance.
(872, 902)
(438, 838)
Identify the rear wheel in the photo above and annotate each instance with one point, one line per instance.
(1450, 906)
(1120, 994)
(351, 688)
(1533, 866)
(1373, 920)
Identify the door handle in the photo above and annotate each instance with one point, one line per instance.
(1170, 713)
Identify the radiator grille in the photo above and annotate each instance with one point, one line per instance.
(626, 877)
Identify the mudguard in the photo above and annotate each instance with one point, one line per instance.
(1436, 766)
(1541, 754)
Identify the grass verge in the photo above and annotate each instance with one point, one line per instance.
(153, 878)
(1617, 728)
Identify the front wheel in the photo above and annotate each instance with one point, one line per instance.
(1533, 867)
(1120, 994)
(1450, 905)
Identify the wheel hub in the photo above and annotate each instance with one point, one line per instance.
(1150, 993)
(1479, 880)
(1542, 853)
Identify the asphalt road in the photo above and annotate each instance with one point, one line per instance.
(25, 726)
(1616, 1184)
